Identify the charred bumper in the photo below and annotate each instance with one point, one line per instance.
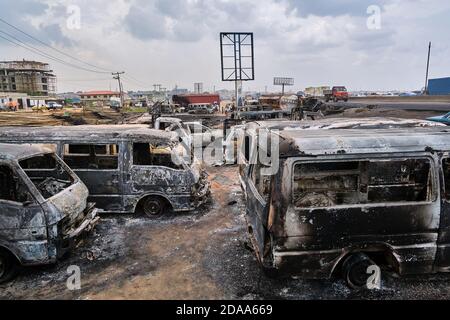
(70, 240)
(201, 191)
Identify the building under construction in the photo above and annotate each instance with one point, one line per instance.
(31, 77)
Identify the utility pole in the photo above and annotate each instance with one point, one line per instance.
(428, 68)
(117, 77)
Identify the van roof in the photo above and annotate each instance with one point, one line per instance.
(107, 133)
(345, 123)
(17, 152)
(353, 141)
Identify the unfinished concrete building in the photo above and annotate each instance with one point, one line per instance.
(31, 77)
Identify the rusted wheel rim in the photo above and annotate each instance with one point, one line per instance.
(152, 207)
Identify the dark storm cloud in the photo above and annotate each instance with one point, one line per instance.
(18, 12)
(145, 22)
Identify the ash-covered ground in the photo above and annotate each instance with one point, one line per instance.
(199, 255)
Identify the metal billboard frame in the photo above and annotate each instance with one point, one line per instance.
(282, 81)
(237, 67)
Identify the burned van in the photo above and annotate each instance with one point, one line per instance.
(44, 208)
(127, 168)
(245, 137)
(341, 201)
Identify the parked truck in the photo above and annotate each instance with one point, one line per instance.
(337, 93)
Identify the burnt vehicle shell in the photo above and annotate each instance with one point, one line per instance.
(37, 230)
(116, 183)
(312, 233)
(246, 135)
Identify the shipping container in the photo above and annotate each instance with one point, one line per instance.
(439, 87)
(187, 99)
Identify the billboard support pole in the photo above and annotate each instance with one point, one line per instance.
(428, 68)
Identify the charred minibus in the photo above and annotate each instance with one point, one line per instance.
(341, 201)
(43, 208)
(127, 168)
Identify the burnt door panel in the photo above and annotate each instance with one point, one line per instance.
(152, 171)
(98, 166)
(104, 188)
(385, 202)
(22, 222)
(257, 187)
(22, 219)
(443, 253)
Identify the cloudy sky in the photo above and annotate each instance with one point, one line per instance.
(176, 42)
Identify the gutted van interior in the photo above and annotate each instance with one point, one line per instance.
(352, 199)
(335, 183)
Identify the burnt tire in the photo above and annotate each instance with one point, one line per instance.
(153, 207)
(354, 270)
(8, 266)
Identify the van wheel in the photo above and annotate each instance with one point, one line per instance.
(153, 206)
(354, 270)
(8, 266)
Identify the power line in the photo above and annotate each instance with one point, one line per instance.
(48, 56)
(41, 53)
(53, 48)
(136, 81)
(83, 80)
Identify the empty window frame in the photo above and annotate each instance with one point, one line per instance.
(446, 170)
(144, 154)
(11, 187)
(261, 181)
(90, 156)
(47, 173)
(329, 184)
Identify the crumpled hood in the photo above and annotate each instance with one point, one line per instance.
(70, 203)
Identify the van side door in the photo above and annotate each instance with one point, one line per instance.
(258, 195)
(21, 217)
(98, 166)
(442, 263)
(153, 172)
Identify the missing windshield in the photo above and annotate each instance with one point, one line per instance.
(47, 174)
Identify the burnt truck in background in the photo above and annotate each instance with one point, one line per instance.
(43, 208)
(345, 200)
(337, 93)
(127, 168)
